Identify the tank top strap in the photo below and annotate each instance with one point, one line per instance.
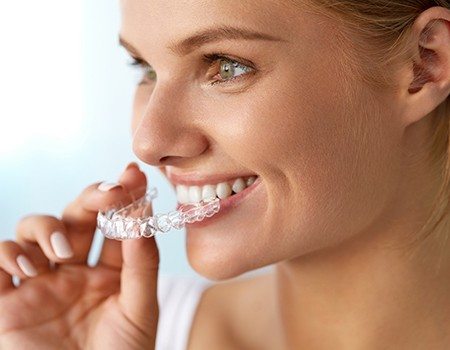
(178, 297)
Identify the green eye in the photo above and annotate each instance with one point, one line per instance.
(150, 73)
(230, 69)
(226, 70)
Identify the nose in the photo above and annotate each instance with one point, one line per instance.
(166, 132)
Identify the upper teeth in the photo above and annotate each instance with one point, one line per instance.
(189, 194)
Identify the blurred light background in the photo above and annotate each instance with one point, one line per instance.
(65, 112)
(65, 107)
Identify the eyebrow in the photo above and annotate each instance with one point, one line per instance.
(206, 36)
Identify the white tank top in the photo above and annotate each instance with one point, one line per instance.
(178, 297)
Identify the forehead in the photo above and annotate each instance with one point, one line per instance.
(164, 21)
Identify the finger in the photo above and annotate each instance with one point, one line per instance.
(135, 182)
(49, 233)
(80, 216)
(139, 275)
(111, 254)
(14, 261)
(34, 251)
(6, 282)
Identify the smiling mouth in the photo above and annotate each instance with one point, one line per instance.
(228, 203)
(194, 194)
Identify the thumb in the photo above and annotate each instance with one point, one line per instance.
(138, 285)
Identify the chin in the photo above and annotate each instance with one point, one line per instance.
(220, 266)
(216, 266)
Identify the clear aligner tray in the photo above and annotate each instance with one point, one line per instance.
(134, 220)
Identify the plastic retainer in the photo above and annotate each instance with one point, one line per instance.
(134, 220)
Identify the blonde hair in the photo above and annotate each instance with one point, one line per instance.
(380, 32)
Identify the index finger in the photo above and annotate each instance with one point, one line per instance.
(80, 216)
(82, 212)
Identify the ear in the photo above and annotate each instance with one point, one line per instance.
(429, 77)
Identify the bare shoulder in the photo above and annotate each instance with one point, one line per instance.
(231, 314)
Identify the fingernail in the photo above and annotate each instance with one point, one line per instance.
(132, 164)
(107, 186)
(26, 266)
(61, 245)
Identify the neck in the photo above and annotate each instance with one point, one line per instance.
(373, 291)
(367, 294)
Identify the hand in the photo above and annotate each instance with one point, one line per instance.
(68, 304)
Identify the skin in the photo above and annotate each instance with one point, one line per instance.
(70, 305)
(344, 180)
(338, 189)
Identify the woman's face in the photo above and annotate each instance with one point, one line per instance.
(321, 143)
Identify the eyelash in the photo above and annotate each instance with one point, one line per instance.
(208, 58)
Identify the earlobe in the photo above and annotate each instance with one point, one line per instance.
(430, 84)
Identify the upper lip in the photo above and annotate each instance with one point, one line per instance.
(197, 179)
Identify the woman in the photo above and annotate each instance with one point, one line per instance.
(341, 111)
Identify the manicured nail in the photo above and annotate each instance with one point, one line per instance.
(107, 186)
(132, 164)
(26, 266)
(61, 245)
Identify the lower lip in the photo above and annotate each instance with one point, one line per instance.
(226, 205)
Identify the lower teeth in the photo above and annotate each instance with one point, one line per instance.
(217, 197)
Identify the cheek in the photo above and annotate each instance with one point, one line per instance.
(338, 158)
(329, 156)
